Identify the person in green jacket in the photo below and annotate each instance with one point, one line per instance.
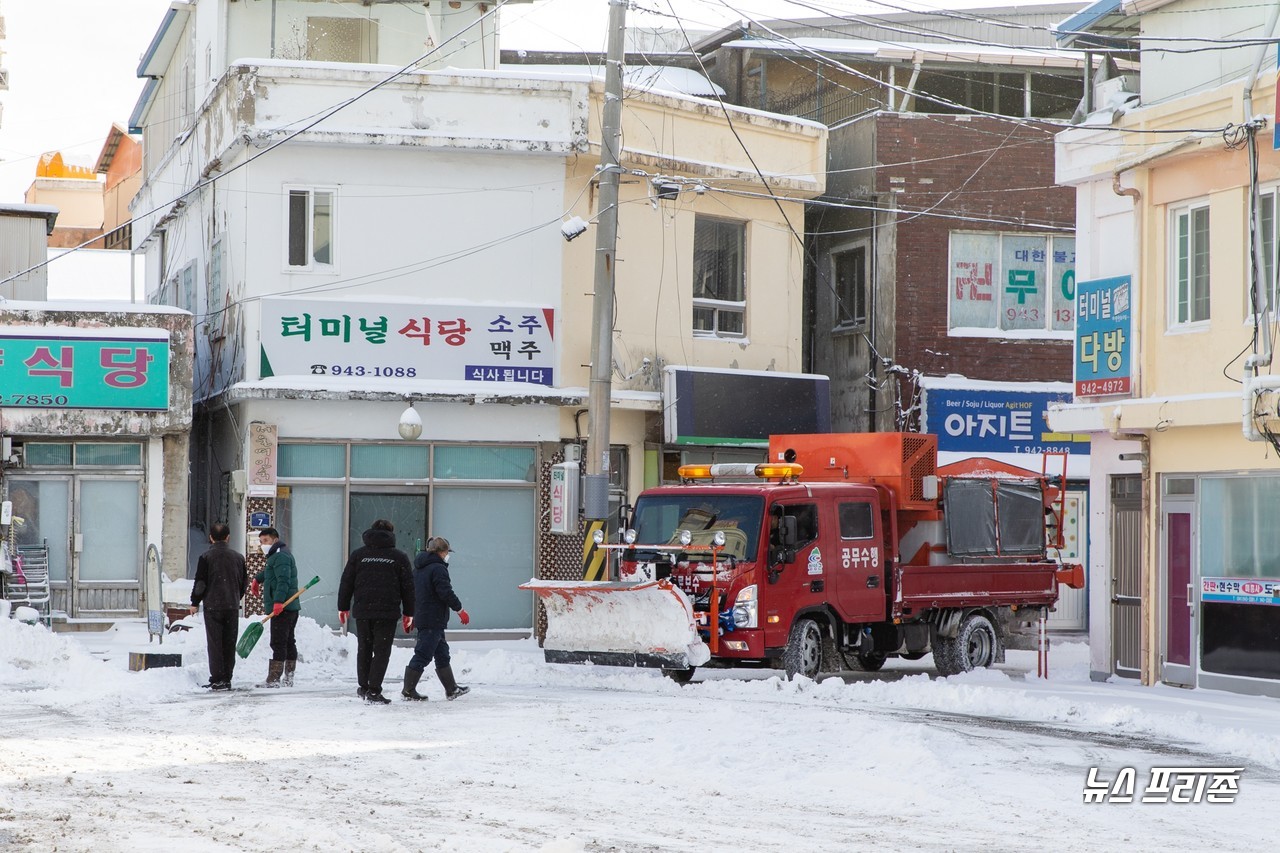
(279, 581)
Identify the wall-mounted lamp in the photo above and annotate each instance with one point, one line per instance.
(410, 423)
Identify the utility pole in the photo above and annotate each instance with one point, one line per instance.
(596, 486)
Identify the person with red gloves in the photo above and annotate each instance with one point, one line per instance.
(376, 588)
(434, 598)
(279, 581)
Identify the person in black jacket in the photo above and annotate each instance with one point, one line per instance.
(221, 580)
(379, 579)
(433, 599)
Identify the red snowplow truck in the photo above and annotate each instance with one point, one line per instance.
(841, 551)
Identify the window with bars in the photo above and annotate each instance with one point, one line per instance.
(719, 277)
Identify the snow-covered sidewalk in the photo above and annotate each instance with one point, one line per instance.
(560, 759)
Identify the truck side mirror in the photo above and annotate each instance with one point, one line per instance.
(788, 533)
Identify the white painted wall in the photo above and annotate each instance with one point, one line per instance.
(1166, 75)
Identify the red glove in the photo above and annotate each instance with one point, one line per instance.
(255, 588)
(277, 609)
(342, 616)
(407, 622)
(463, 617)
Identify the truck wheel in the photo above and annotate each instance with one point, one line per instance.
(803, 654)
(680, 676)
(975, 645)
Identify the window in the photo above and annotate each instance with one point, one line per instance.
(310, 228)
(1237, 535)
(216, 310)
(806, 521)
(856, 521)
(1189, 302)
(342, 40)
(181, 291)
(86, 454)
(1012, 282)
(1267, 225)
(719, 277)
(849, 275)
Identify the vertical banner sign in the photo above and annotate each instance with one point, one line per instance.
(1104, 328)
(262, 461)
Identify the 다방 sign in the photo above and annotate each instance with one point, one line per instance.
(58, 367)
(377, 342)
(1103, 334)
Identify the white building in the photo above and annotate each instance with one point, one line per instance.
(352, 239)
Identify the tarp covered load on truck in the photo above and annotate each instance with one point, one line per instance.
(990, 517)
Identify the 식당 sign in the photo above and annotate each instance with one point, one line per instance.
(381, 341)
(1104, 330)
(60, 368)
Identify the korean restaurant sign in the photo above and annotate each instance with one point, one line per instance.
(380, 341)
(56, 367)
(1104, 329)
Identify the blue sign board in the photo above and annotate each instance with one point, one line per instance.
(997, 421)
(259, 520)
(1104, 330)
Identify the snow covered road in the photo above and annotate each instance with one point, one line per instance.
(560, 759)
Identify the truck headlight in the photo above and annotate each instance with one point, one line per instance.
(746, 608)
(685, 538)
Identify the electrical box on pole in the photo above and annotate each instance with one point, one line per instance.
(564, 498)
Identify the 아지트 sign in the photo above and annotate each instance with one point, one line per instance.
(380, 341)
(60, 368)
(996, 421)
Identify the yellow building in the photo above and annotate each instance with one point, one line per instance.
(1185, 462)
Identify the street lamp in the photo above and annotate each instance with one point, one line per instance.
(410, 423)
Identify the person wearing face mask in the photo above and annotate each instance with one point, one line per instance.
(278, 582)
(376, 588)
(433, 599)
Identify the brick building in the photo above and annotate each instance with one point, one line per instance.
(940, 261)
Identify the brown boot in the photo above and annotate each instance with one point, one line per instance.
(275, 669)
(289, 667)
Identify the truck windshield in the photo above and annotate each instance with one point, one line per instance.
(660, 518)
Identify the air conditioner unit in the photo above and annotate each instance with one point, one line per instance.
(1114, 88)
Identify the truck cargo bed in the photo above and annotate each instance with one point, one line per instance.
(920, 588)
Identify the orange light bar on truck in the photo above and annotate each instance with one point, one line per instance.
(741, 469)
(773, 472)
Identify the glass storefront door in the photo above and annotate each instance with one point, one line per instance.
(408, 513)
(92, 526)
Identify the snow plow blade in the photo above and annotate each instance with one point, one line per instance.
(647, 624)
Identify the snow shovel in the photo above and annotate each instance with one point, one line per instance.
(251, 634)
